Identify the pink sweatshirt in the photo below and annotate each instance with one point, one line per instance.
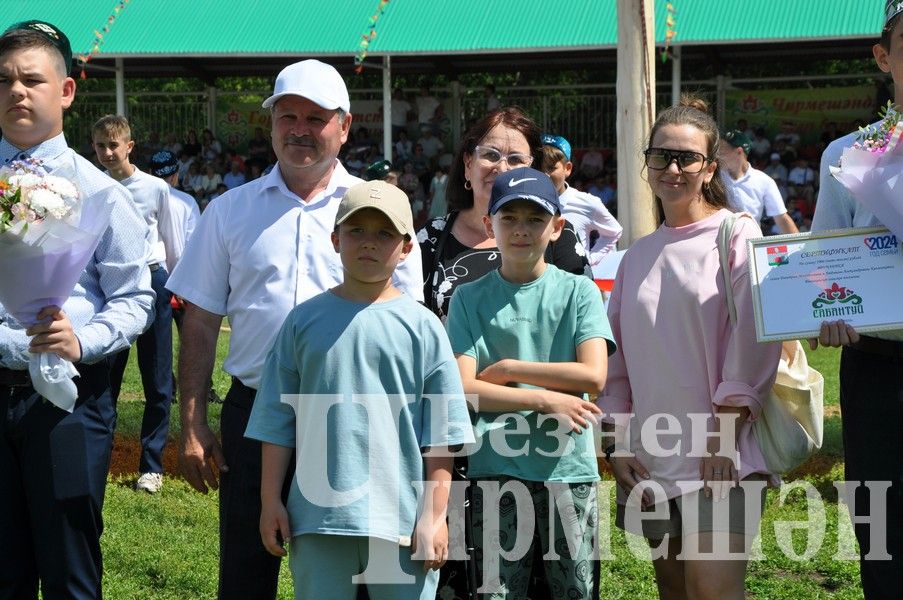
(677, 351)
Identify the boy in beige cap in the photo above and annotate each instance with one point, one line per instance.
(353, 384)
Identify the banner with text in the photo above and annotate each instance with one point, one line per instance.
(808, 109)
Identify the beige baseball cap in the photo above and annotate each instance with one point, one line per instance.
(384, 197)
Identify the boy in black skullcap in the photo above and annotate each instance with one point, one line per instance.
(871, 387)
(53, 462)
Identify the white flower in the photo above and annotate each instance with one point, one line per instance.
(46, 203)
(444, 286)
(60, 186)
(421, 236)
(579, 249)
(439, 224)
(25, 180)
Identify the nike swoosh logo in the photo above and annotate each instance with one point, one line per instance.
(515, 182)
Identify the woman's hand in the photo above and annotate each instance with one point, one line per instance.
(718, 475)
(274, 527)
(430, 543)
(630, 472)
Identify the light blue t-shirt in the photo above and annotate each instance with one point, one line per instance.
(365, 371)
(541, 321)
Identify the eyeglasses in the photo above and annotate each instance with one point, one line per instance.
(489, 156)
(687, 161)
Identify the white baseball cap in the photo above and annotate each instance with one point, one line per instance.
(318, 82)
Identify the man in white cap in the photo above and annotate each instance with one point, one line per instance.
(259, 250)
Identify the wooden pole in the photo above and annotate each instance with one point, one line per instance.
(387, 107)
(636, 111)
(120, 88)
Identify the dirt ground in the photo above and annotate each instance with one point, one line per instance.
(126, 452)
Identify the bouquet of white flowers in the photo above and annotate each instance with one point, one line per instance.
(47, 235)
(872, 169)
(26, 197)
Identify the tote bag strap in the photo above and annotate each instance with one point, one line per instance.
(724, 251)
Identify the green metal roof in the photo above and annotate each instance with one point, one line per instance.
(725, 21)
(335, 27)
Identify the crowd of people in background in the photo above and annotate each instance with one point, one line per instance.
(206, 168)
(423, 151)
(792, 163)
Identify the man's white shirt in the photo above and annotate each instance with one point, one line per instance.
(755, 193)
(587, 214)
(258, 251)
(151, 197)
(836, 207)
(183, 219)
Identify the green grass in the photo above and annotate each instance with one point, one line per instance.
(165, 546)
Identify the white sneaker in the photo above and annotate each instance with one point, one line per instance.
(150, 482)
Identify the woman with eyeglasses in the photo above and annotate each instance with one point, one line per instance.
(457, 249)
(680, 365)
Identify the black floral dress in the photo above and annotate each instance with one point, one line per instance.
(447, 263)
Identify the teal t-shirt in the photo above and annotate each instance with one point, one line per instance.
(541, 321)
(358, 390)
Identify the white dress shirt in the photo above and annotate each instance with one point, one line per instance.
(260, 250)
(183, 219)
(755, 193)
(587, 213)
(151, 197)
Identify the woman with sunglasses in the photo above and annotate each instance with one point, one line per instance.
(457, 249)
(682, 367)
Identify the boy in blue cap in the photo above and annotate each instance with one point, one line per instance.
(531, 341)
(597, 229)
(871, 388)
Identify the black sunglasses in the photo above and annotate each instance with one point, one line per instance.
(660, 159)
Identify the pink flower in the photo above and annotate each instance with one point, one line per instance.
(19, 212)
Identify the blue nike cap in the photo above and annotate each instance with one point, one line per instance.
(524, 184)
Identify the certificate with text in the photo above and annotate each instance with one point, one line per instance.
(800, 280)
